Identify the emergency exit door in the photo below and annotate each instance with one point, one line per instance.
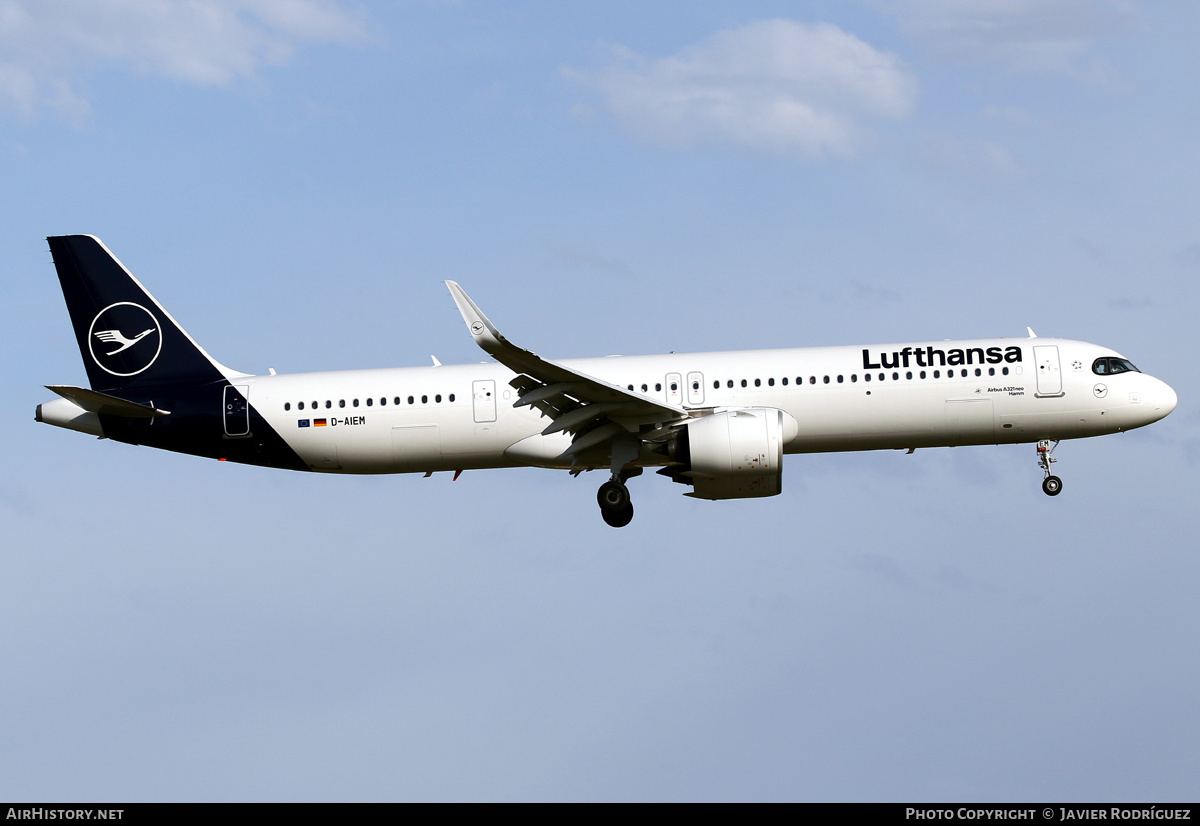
(484, 395)
(674, 391)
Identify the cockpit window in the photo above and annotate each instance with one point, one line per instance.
(1108, 366)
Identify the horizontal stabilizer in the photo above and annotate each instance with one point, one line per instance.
(94, 401)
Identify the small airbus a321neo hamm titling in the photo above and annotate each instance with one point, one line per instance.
(718, 423)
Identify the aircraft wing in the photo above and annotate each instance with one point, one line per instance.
(587, 407)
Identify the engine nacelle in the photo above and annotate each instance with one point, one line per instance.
(738, 454)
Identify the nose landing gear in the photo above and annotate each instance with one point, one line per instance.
(615, 506)
(1051, 485)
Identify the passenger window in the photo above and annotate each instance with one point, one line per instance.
(991, 371)
(812, 379)
(1004, 370)
(758, 382)
(411, 400)
(978, 372)
(922, 374)
(658, 387)
(695, 385)
(827, 379)
(341, 402)
(716, 385)
(882, 376)
(839, 379)
(895, 377)
(964, 372)
(438, 398)
(937, 374)
(356, 402)
(645, 388)
(743, 382)
(369, 402)
(770, 382)
(328, 404)
(396, 401)
(299, 406)
(424, 400)
(674, 386)
(866, 376)
(908, 375)
(383, 401)
(784, 380)
(729, 383)
(853, 377)
(451, 397)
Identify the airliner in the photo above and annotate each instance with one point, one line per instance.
(717, 423)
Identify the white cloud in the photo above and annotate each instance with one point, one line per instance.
(44, 43)
(774, 85)
(1025, 35)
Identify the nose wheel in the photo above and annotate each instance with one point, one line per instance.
(615, 507)
(1051, 485)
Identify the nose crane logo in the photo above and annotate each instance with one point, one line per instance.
(133, 330)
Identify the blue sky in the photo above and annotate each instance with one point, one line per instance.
(293, 179)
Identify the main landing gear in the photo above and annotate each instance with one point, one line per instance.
(1051, 485)
(615, 506)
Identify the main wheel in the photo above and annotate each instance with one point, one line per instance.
(613, 497)
(1052, 485)
(618, 519)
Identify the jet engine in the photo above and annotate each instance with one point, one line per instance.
(734, 454)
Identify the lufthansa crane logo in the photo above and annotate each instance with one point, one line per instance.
(124, 339)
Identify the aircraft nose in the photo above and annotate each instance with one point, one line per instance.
(1168, 399)
(1162, 398)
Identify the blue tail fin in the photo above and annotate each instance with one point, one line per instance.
(126, 338)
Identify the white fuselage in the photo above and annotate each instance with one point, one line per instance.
(1001, 391)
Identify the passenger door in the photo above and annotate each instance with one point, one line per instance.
(237, 410)
(1049, 375)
